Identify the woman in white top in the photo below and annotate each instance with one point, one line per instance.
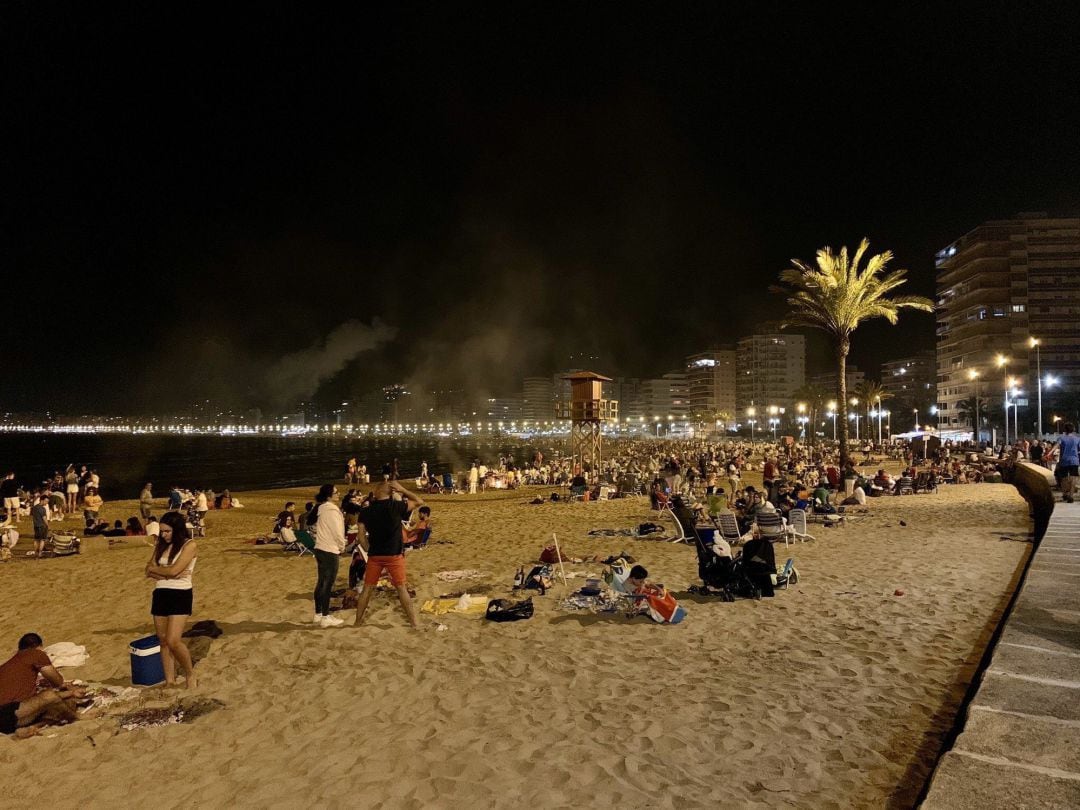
(171, 565)
(329, 525)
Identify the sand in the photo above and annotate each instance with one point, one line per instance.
(834, 694)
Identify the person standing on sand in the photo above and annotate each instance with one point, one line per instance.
(146, 501)
(1068, 461)
(474, 478)
(172, 563)
(329, 545)
(382, 518)
(9, 491)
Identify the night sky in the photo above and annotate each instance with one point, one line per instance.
(202, 205)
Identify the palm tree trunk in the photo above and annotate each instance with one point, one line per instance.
(842, 348)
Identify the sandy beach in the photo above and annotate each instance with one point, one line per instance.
(836, 693)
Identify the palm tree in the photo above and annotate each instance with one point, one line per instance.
(872, 394)
(836, 297)
(966, 409)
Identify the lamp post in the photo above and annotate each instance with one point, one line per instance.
(855, 415)
(750, 412)
(916, 428)
(855, 402)
(973, 375)
(831, 405)
(1034, 343)
(888, 424)
(878, 420)
(1003, 363)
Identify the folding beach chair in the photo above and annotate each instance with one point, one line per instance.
(786, 574)
(728, 526)
(64, 545)
(771, 526)
(305, 543)
(796, 526)
(907, 485)
(680, 530)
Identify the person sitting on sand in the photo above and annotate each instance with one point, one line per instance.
(656, 600)
(759, 561)
(20, 706)
(117, 530)
(134, 527)
(288, 513)
(414, 533)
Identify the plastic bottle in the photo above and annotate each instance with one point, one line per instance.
(519, 578)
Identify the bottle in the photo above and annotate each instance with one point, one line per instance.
(519, 578)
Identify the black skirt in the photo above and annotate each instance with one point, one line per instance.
(172, 602)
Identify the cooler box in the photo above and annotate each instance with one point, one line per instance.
(146, 669)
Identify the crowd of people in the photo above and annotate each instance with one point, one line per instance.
(376, 524)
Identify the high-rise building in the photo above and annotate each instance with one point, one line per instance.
(711, 382)
(853, 378)
(911, 379)
(665, 396)
(1000, 285)
(768, 370)
(537, 399)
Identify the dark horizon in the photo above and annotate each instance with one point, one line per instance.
(265, 210)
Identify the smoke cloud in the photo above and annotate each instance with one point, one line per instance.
(299, 374)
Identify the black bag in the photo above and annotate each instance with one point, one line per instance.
(503, 610)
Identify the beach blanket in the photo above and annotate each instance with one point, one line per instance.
(474, 605)
(605, 602)
(67, 654)
(454, 576)
(183, 711)
(105, 696)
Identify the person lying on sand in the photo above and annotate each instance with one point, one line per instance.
(20, 708)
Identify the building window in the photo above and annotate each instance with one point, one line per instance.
(1017, 307)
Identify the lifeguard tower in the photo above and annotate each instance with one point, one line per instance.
(587, 411)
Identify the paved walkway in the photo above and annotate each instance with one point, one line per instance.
(1020, 747)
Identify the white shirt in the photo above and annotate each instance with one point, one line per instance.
(330, 528)
(153, 528)
(200, 502)
(182, 581)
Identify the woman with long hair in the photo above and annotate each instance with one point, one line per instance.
(171, 565)
(329, 545)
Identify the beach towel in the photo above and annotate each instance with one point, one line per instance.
(66, 654)
(454, 576)
(471, 605)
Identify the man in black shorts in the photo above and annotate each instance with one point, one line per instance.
(20, 707)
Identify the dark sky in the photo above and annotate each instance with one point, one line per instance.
(204, 205)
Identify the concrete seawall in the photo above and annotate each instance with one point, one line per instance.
(1020, 741)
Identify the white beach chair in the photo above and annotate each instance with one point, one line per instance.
(796, 526)
(729, 526)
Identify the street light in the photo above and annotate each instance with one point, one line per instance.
(1034, 344)
(973, 375)
(1003, 363)
(831, 405)
(855, 415)
(916, 428)
(750, 413)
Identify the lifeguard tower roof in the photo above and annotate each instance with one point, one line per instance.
(587, 375)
